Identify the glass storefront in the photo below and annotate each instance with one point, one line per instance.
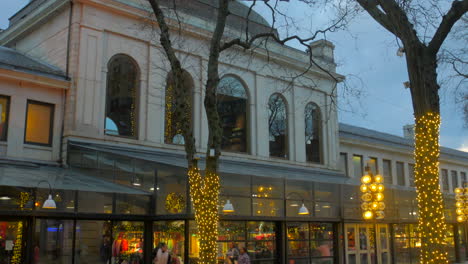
(93, 242)
(53, 241)
(171, 233)
(12, 241)
(127, 242)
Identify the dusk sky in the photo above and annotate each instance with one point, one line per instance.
(367, 52)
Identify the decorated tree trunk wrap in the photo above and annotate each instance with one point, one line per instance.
(432, 226)
(204, 192)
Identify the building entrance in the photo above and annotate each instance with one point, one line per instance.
(362, 243)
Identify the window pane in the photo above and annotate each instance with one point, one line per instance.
(267, 207)
(445, 183)
(411, 174)
(326, 192)
(299, 190)
(39, 123)
(13, 241)
(312, 132)
(16, 199)
(263, 187)
(172, 127)
(343, 165)
(64, 200)
(387, 171)
(454, 179)
(128, 242)
(372, 163)
(235, 184)
(93, 202)
(93, 242)
(357, 163)
(278, 126)
(293, 208)
(232, 110)
(53, 241)
(171, 191)
(131, 204)
(400, 173)
(122, 82)
(321, 231)
(463, 177)
(260, 230)
(241, 205)
(324, 209)
(172, 233)
(298, 231)
(4, 112)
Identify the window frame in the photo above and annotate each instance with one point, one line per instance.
(444, 182)
(399, 177)
(137, 95)
(248, 145)
(346, 166)
(389, 163)
(286, 130)
(7, 117)
(51, 126)
(361, 165)
(320, 132)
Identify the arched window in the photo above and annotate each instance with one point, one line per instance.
(172, 129)
(232, 109)
(121, 97)
(312, 133)
(278, 126)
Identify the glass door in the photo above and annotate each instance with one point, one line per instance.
(360, 244)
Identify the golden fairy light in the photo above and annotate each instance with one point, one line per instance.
(461, 204)
(372, 196)
(431, 224)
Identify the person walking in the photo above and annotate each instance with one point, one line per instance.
(162, 255)
(243, 256)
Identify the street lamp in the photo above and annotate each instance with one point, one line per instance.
(372, 196)
(49, 203)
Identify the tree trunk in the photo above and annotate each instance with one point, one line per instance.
(424, 90)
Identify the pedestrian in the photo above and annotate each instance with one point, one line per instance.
(243, 256)
(162, 255)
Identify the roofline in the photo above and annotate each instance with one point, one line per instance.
(45, 80)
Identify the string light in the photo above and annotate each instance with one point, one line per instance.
(205, 194)
(431, 224)
(17, 250)
(461, 197)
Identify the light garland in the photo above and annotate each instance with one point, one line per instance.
(205, 194)
(461, 203)
(17, 250)
(431, 226)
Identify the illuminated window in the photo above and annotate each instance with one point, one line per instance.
(357, 164)
(121, 98)
(232, 109)
(39, 123)
(4, 112)
(313, 136)
(372, 163)
(172, 129)
(278, 126)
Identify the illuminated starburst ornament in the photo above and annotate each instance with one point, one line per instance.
(461, 198)
(372, 196)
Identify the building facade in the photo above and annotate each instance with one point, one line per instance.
(86, 117)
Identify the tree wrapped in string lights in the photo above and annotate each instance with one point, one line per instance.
(372, 196)
(461, 203)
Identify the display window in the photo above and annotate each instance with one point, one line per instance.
(257, 237)
(53, 241)
(12, 241)
(93, 242)
(128, 242)
(172, 234)
(310, 242)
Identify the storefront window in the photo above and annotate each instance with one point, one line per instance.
(172, 233)
(241, 205)
(131, 204)
(93, 242)
(15, 198)
(171, 191)
(321, 242)
(462, 249)
(267, 187)
(326, 200)
(267, 207)
(238, 185)
(298, 242)
(407, 244)
(310, 242)
(94, 202)
(12, 241)
(259, 238)
(53, 241)
(128, 242)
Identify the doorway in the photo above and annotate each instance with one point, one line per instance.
(361, 242)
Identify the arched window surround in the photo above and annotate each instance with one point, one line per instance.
(284, 152)
(246, 149)
(313, 132)
(134, 104)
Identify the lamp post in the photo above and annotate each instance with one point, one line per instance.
(372, 200)
(49, 203)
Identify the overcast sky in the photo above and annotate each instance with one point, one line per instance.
(369, 53)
